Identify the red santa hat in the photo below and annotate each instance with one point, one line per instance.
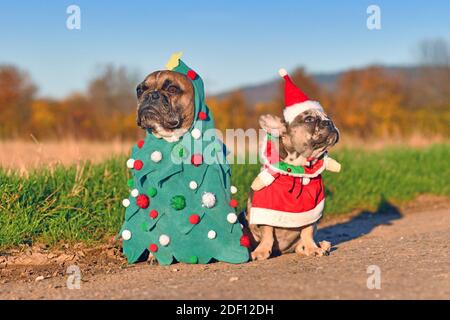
(295, 100)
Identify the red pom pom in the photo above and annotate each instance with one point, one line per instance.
(233, 203)
(269, 149)
(153, 247)
(140, 144)
(194, 218)
(245, 241)
(142, 201)
(138, 164)
(197, 159)
(191, 74)
(289, 169)
(202, 115)
(154, 214)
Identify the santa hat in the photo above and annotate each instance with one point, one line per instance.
(295, 100)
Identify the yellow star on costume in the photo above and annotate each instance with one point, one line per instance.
(173, 61)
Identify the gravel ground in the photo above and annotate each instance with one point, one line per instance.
(411, 249)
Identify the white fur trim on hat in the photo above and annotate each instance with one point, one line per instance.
(294, 110)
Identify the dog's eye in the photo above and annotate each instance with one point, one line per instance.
(172, 89)
(140, 89)
(309, 119)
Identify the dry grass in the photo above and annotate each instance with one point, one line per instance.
(23, 156)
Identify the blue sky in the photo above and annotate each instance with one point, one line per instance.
(230, 43)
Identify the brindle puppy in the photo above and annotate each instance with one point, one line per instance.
(165, 104)
(307, 136)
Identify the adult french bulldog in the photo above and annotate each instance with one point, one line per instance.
(165, 104)
(277, 209)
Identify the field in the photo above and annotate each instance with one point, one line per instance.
(82, 202)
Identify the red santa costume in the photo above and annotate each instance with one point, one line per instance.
(294, 195)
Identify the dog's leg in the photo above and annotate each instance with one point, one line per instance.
(307, 246)
(264, 249)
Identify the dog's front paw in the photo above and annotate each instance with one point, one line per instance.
(261, 253)
(311, 249)
(325, 245)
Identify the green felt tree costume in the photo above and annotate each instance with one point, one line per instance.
(180, 206)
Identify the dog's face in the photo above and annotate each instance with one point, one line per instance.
(308, 135)
(166, 104)
(311, 133)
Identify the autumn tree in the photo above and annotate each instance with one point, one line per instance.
(16, 95)
(369, 102)
(45, 119)
(430, 88)
(112, 96)
(260, 108)
(113, 89)
(231, 112)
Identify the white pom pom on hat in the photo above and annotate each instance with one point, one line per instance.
(282, 72)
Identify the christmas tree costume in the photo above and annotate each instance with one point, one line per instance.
(293, 195)
(180, 206)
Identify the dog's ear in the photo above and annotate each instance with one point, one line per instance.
(273, 125)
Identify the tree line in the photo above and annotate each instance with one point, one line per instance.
(370, 102)
(367, 102)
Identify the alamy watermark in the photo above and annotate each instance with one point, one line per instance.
(74, 278)
(373, 21)
(240, 147)
(374, 279)
(73, 21)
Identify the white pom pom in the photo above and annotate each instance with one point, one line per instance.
(126, 234)
(156, 156)
(134, 193)
(208, 200)
(233, 189)
(232, 217)
(193, 185)
(164, 240)
(196, 133)
(282, 72)
(130, 163)
(212, 234)
(305, 181)
(125, 203)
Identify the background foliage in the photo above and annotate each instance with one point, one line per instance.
(369, 102)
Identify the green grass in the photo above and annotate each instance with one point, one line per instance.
(84, 203)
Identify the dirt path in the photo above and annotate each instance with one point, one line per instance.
(412, 250)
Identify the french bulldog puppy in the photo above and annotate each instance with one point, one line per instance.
(165, 104)
(301, 142)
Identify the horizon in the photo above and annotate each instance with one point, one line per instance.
(62, 61)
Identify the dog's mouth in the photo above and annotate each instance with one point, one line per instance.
(163, 122)
(332, 138)
(156, 118)
(326, 139)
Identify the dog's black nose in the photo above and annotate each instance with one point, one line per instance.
(325, 123)
(155, 95)
(172, 124)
